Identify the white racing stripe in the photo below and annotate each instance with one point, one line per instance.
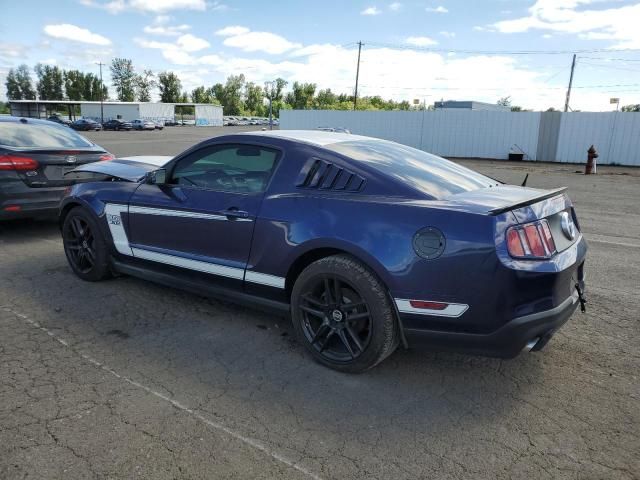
(451, 310)
(264, 279)
(114, 212)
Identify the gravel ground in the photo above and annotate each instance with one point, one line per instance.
(124, 378)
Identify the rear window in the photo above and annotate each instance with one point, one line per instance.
(40, 135)
(428, 173)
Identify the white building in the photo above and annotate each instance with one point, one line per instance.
(205, 113)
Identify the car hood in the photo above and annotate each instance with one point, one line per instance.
(131, 169)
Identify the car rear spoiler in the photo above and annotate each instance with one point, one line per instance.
(530, 201)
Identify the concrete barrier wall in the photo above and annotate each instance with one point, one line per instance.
(544, 136)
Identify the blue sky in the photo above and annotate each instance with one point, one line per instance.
(430, 50)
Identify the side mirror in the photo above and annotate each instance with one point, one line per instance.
(157, 177)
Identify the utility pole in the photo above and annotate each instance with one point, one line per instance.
(269, 87)
(573, 67)
(355, 93)
(101, 94)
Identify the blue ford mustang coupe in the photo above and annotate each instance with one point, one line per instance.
(366, 243)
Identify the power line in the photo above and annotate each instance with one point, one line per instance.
(501, 52)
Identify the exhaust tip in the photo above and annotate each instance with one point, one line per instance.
(531, 344)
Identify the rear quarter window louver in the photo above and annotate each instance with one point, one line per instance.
(322, 175)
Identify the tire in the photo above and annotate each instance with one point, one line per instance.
(84, 246)
(353, 327)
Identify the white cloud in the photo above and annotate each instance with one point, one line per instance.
(618, 24)
(371, 11)
(67, 31)
(160, 27)
(438, 9)
(154, 6)
(248, 41)
(191, 43)
(420, 41)
(232, 30)
(395, 6)
(180, 53)
(448, 34)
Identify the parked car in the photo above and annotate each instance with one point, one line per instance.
(158, 125)
(334, 129)
(366, 243)
(117, 124)
(34, 155)
(140, 124)
(60, 120)
(85, 124)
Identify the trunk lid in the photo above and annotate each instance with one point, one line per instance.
(53, 164)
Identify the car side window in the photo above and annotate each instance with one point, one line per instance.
(227, 168)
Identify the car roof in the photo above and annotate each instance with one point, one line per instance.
(24, 120)
(314, 137)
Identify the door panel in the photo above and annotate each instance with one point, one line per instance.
(192, 223)
(203, 218)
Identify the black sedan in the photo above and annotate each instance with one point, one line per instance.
(34, 156)
(60, 120)
(85, 124)
(117, 124)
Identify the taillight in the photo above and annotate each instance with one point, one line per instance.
(532, 240)
(106, 156)
(15, 162)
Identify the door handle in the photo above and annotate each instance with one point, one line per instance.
(233, 213)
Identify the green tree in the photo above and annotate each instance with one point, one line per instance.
(504, 101)
(50, 82)
(75, 84)
(169, 86)
(145, 82)
(254, 99)
(325, 100)
(631, 108)
(124, 77)
(92, 88)
(301, 97)
(19, 85)
(202, 95)
(230, 94)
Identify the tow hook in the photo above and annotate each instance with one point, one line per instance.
(583, 301)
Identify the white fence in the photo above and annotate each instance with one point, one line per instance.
(488, 134)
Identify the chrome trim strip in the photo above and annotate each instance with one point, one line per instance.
(197, 265)
(264, 279)
(174, 213)
(452, 309)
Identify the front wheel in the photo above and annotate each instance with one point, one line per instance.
(343, 315)
(84, 246)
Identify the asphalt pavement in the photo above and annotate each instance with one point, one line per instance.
(124, 378)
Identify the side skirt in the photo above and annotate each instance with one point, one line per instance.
(200, 287)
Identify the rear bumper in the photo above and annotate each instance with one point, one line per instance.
(30, 202)
(506, 342)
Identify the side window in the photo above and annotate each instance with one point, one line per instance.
(228, 168)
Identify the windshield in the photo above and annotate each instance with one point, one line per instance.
(428, 173)
(40, 135)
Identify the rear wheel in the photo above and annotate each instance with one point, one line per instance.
(84, 246)
(342, 314)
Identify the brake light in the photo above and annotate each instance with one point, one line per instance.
(17, 163)
(532, 240)
(106, 156)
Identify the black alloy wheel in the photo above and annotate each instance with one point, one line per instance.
(343, 315)
(337, 321)
(84, 246)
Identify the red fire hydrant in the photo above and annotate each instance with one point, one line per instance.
(590, 167)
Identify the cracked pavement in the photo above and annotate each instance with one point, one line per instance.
(124, 378)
